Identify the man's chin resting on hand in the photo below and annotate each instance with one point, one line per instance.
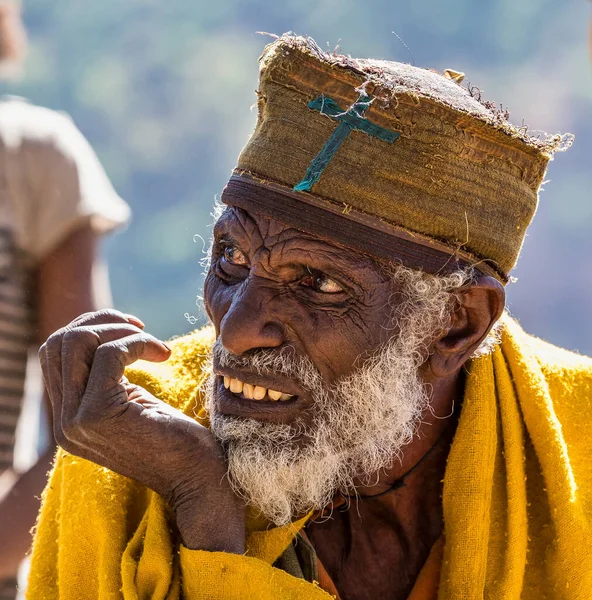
(362, 420)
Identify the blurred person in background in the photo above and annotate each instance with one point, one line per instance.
(55, 203)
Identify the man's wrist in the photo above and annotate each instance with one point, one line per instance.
(212, 529)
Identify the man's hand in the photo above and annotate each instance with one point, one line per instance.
(98, 415)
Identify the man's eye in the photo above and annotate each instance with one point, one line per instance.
(234, 256)
(321, 283)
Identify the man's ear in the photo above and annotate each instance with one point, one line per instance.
(477, 310)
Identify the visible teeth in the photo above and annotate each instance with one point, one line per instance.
(248, 390)
(253, 392)
(236, 386)
(259, 392)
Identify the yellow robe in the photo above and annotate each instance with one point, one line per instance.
(517, 498)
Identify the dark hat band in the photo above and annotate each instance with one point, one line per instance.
(348, 227)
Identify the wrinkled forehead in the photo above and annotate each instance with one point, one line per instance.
(366, 234)
(251, 232)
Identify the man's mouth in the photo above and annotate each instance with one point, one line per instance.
(270, 398)
(250, 391)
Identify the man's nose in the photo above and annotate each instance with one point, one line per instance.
(251, 322)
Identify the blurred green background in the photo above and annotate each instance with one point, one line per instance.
(163, 90)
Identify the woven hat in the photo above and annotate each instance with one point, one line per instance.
(398, 162)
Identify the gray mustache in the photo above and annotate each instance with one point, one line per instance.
(267, 362)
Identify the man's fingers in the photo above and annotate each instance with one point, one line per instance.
(111, 359)
(78, 349)
(51, 368)
(66, 358)
(50, 353)
(52, 378)
(104, 317)
(115, 355)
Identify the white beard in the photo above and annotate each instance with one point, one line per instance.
(360, 424)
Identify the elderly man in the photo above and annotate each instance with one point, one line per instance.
(361, 421)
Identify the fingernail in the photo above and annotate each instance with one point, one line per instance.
(166, 346)
(135, 321)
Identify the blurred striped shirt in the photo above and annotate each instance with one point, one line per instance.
(16, 332)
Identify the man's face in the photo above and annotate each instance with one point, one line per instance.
(340, 340)
(273, 287)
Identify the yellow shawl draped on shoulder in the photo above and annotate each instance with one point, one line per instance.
(517, 498)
